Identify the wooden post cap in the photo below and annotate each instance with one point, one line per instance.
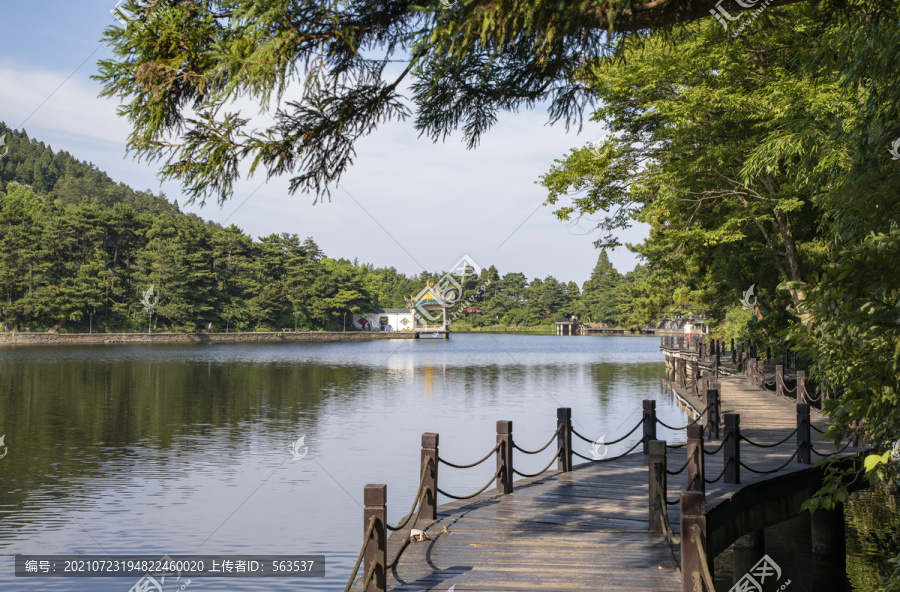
(375, 494)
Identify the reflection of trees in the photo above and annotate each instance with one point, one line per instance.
(61, 419)
(873, 537)
(608, 378)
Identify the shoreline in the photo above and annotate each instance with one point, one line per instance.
(7, 339)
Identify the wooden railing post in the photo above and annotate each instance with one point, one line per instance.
(733, 352)
(430, 484)
(779, 379)
(693, 539)
(375, 500)
(695, 464)
(751, 371)
(649, 421)
(768, 354)
(732, 448)
(695, 380)
(658, 482)
(505, 456)
(564, 439)
(803, 439)
(712, 411)
(761, 377)
(801, 387)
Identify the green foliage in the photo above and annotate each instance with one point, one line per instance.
(854, 336)
(66, 267)
(325, 72)
(67, 181)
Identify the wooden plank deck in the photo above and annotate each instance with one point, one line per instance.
(586, 529)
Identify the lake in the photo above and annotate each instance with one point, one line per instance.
(186, 449)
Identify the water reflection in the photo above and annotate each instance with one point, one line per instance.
(186, 448)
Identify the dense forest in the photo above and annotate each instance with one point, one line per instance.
(78, 251)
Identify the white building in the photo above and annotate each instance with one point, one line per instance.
(398, 319)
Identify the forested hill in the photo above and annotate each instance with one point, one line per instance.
(59, 176)
(78, 251)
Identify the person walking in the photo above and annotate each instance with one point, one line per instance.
(687, 332)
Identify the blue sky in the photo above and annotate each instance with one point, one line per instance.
(428, 204)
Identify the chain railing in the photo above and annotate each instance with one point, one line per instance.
(610, 459)
(542, 448)
(701, 413)
(366, 538)
(769, 472)
(779, 443)
(474, 464)
(612, 442)
(373, 553)
(479, 492)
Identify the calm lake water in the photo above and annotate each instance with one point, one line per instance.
(184, 449)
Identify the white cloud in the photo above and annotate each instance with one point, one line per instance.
(436, 200)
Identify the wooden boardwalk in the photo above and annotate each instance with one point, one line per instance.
(587, 529)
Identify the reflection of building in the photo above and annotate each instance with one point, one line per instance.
(399, 319)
